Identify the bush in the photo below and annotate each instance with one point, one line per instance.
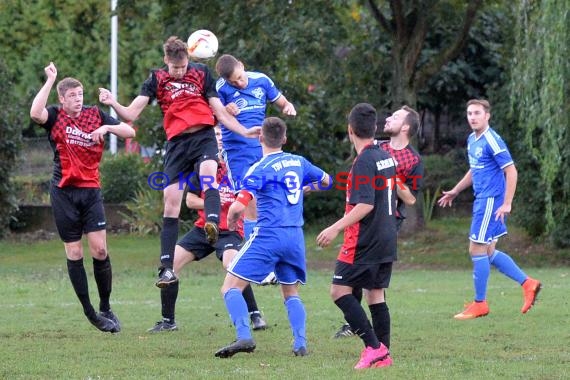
(122, 175)
(324, 207)
(145, 211)
(32, 190)
(10, 126)
(443, 172)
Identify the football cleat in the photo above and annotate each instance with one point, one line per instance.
(301, 351)
(257, 321)
(103, 324)
(370, 356)
(111, 316)
(163, 325)
(240, 345)
(386, 362)
(344, 331)
(166, 277)
(531, 287)
(212, 232)
(473, 310)
(271, 279)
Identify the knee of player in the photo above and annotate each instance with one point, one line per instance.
(99, 253)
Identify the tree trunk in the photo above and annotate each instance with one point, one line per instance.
(403, 90)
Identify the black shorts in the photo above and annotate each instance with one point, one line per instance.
(77, 211)
(185, 152)
(364, 276)
(195, 241)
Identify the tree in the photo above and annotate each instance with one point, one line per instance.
(540, 107)
(408, 28)
(10, 122)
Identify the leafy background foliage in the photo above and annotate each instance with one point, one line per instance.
(327, 56)
(9, 140)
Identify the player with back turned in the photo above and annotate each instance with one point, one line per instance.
(370, 236)
(276, 243)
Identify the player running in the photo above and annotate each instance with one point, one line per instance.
(493, 176)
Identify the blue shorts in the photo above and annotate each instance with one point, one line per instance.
(239, 161)
(280, 250)
(484, 228)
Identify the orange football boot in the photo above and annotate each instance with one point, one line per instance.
(530, 287)
(473, 310)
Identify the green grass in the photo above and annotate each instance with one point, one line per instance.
(44, 335)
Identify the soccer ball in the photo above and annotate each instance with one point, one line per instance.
(202, 44)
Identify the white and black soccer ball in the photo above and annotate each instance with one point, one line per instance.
(202, 44)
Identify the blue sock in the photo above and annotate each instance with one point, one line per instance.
(297, 318)
(481, 270)
(507, 266)
(248, 225)
(237, 309)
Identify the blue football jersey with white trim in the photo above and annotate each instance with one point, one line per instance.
(276, 181)
(251, 102)
(488, 156)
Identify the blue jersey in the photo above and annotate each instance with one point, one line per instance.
(277, 181)
(488, 156)
(251, 102)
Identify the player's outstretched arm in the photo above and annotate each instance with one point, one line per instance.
(122, 130)
(129, 113)
(359, 211)
(229, 121)
(286, 107)
(324, 184)
(38, 111)
(448, 196)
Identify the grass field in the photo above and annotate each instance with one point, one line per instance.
(44, 335)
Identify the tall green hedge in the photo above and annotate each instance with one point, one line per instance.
(10, 125)
(540, 109)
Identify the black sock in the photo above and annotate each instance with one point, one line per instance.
(249, 299)
(78, 279)
(357, 293)
(168, 238)
(356, 317)
(168, 296)
(104, 278)
(212, 205)
(381, 322)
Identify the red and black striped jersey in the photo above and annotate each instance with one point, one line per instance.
(370, 181)
(76, 155)
(184, 102)
(409, 166)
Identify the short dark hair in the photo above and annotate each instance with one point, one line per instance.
(175, 49)
(67, 84)
(482, 102)
(226, 65)
(412, 119)
(274, 131)
(362, 120)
